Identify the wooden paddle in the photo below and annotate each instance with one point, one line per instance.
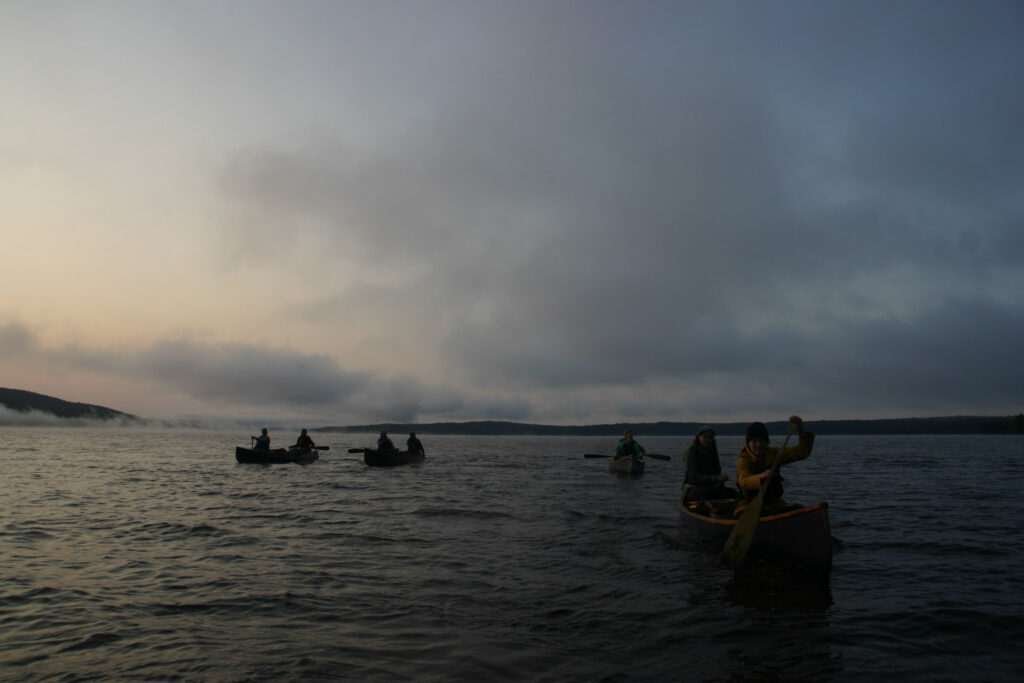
(742, 535)
(656, 456)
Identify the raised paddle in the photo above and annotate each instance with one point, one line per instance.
(742, 535)
(656, 456)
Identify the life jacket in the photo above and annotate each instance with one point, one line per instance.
(629, 449)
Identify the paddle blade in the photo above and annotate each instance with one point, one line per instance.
(357, 450)
(323, 448)
(657, 456)
(742, 536)
(595, 455)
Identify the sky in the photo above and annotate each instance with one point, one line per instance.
(560, 212)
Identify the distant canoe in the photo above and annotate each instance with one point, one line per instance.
(626, 466)
(275, 456)
(800, 537)
(375, 458)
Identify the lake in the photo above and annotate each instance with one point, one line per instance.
(141, 555)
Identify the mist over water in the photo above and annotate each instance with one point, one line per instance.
(153, 554)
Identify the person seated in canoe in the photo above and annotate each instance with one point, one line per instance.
(753, 469)
(628, 448)
(384, 443)
(262, 441)
(304, 442)
(414, 445)
(704, 479)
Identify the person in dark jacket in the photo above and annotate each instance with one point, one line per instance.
(414, 445)
(704, 479)
(384, 443)
(262, 441)
(304, 442)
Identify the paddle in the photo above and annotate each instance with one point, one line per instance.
(656, 456)
(742, 535)
(357, 450)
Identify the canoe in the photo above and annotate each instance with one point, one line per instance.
(277, 455)
(626, 466)
(800, 537)
(375, 458)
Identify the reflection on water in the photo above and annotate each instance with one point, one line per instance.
(788, 614)
(768, 587)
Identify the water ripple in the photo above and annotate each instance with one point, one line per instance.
(136, 556)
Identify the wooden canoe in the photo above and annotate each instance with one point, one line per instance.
(626, 466)
(274, 456)
(375, 458)
(800, 537)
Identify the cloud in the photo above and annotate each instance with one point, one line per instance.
(33, 418)
(16, 339)
(236, 377)
(582, 211)
(586, 218)
(248, 374)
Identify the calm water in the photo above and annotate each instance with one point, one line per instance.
(154, 555)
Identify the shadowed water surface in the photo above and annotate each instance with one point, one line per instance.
(154, 555)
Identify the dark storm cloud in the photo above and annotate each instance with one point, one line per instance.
(789, 197)
(243, 375)
(252, 374)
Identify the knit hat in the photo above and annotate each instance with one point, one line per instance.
(756, 430)
(706, 428)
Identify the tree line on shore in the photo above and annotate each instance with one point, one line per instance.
(21, 401)
(912, 425)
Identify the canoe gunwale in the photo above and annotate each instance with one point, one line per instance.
(277, 456)
(374, 458)
(800, 537)
(626, 466)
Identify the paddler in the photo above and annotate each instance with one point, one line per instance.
(704, 479)
(754, 467)
(628, 448)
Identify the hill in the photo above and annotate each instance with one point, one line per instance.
(915, 425)
(26, 401)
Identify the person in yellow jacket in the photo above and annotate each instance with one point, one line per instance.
(754, 467)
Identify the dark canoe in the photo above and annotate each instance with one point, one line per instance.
(800, 537)
(277, 455)
(626, 466)
(375, 458)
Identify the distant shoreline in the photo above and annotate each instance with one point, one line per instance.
(915, 425)
(21, 401)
